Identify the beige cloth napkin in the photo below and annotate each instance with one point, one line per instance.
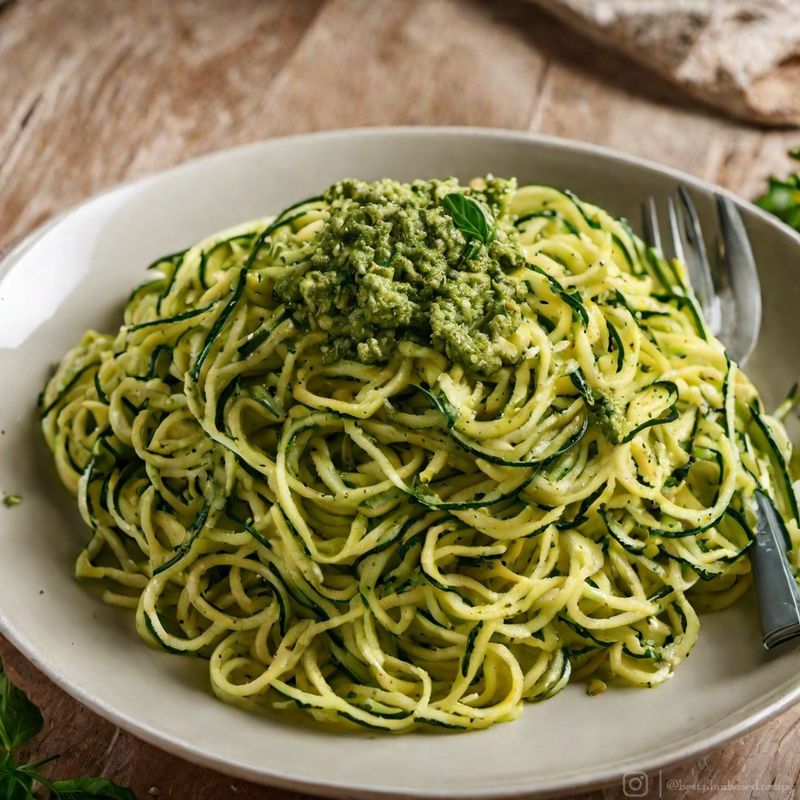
(742, 56)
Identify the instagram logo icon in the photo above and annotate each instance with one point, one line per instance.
(635, 784)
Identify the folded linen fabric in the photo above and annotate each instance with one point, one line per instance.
(742, 56)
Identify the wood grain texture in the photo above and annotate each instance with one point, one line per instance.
(93, 92)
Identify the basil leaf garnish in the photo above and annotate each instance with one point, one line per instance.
(20, 720)
(86, 788)
(471, 217)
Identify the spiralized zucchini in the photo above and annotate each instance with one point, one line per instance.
(405, 543)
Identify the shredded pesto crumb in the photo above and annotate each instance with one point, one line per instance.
(609, 414)
(391, 263)
(11, 500)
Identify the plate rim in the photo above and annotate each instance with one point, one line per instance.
(778, 699)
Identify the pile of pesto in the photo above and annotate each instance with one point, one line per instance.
(402, 261)
(413, 455)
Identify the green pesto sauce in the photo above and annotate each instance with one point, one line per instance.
(391, 264)
(609, 414)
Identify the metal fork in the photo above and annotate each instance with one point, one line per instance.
(729, 296)
(727, 290)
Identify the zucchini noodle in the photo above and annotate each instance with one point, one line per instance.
(404, 542)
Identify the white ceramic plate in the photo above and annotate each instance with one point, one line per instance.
(75, 274)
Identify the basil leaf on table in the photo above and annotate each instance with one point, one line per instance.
(20, 720)
(14, 785)
(782, 197)
(471, 217)
(89, 789)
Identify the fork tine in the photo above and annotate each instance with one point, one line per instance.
(730, 297)
(650, 223)
(699, 267)
(738, 262)
(675, 231)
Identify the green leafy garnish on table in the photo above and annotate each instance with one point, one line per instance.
(782, 197)
(11, 500)
(20, 721)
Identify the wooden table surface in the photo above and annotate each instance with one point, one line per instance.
(93, 92)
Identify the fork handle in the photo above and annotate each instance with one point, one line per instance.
(778, 596)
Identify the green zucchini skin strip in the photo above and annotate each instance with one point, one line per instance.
(216, 329)
(494, 459)
(236, 295)
(169, 320)
(579, 382)
(615, 338)
(192, 533)
(465, 661)
(491, 499)
(787, 489)
(671, 415)
(64, 390)
(225, 395)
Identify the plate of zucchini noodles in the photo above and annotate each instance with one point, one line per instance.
(394, 462)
